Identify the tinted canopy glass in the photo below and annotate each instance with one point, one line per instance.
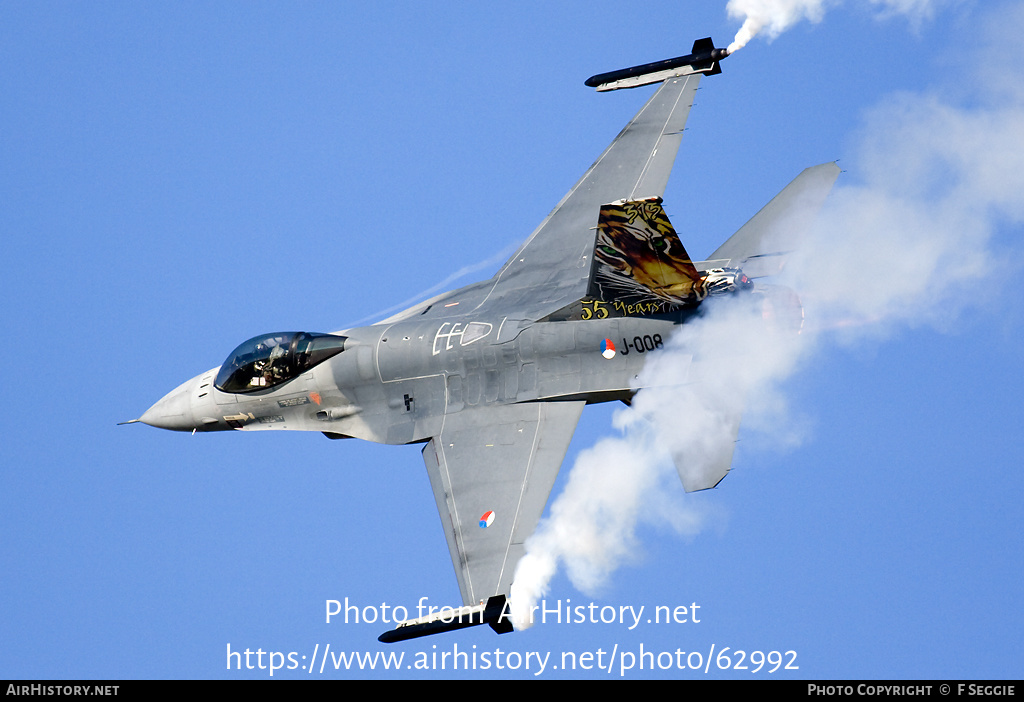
(272, 359)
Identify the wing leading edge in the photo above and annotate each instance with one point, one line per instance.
(552, 268)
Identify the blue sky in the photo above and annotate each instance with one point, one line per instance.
(177, 178)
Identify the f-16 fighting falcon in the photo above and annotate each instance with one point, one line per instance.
(491, 378)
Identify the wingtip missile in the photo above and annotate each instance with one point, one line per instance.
(493, 613)
(703, 58)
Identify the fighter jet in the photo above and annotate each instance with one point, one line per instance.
(492, 378)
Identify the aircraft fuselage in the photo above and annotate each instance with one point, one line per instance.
(394, 383)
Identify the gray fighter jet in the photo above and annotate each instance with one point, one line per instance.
(492, 377)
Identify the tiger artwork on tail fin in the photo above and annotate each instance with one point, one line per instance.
(639, 258)
(639, 266)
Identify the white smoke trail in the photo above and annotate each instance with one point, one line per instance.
(776, 16)
(911, 244)
(707, 372)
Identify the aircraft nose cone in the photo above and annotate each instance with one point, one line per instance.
(173, 411)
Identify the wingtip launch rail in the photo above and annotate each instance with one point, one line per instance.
(703, 58)
(494, 613)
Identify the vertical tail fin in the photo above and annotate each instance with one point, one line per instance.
(638, 257)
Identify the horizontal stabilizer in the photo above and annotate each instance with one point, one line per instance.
(760, 247)
(708, 473)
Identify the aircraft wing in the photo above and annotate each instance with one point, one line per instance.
(491, 469)
(552, 268)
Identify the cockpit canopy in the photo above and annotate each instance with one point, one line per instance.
(272, 359)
